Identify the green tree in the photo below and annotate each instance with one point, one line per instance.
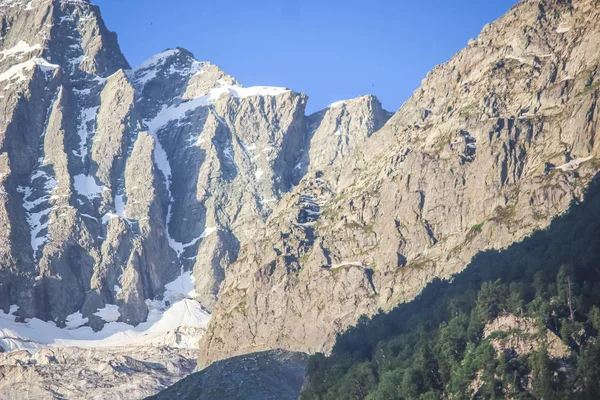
(412, 384)
(542, 374)
(389, 386)
(594, 318)
(588, 371)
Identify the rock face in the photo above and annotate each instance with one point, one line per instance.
(521, 335)
(495, 143)
(116, 183)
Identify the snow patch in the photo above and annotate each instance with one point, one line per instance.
(182, 287)
(573, 164)
(86, 186)
(16, 73)
(347, 264)
(19, 49)
(162, 322)
(34, 219)
(337, 104)
(343, 102)
(157, 59)
(107, 217)
(87, 115)
(119, 209)
(146, 77)
(76, 320)
(165, 317)
(180, 247)
(148, 70)
(110, 313)
(120, 206)
(267, 201)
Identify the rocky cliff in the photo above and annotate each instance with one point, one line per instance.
(494, 144)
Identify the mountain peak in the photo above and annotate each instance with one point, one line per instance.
(69, 33)
(179, 63)
(27, 5)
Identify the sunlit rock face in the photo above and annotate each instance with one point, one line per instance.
(493, 145)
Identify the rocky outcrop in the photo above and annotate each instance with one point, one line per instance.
(495, 143)
(521, 335)
(274, 374)
(121, 189)
(341, 128)
(55, 57)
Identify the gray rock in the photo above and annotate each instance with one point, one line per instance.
(274, 374)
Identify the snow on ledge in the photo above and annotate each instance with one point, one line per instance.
(180, 247)
(86, 186)
(177, 112)
(573, 164)
(337, 104)
(343, 102)
(157, 59)
(19, 49)
(17, 71)
(347, 264)
(110, 313)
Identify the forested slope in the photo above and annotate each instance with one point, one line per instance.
(521, 323)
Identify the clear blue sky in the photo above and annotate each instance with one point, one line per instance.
(329, 49)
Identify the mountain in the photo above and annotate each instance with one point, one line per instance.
(126, 193)
(146, 208)
(493, 145)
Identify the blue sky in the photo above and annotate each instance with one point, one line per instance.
(329, 49)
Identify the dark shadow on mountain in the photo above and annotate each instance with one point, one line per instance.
(434, 347)
(572, 238)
